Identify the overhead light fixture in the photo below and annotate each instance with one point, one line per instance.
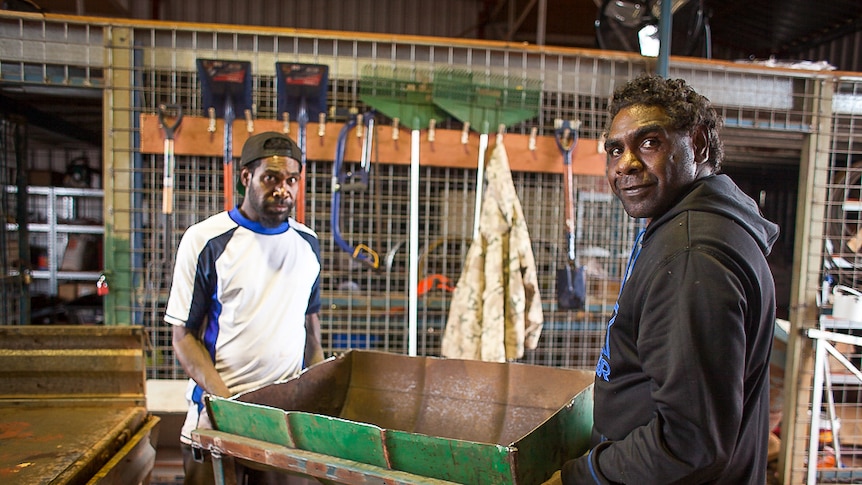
(628, 13)
(649, 41)
(633, 25)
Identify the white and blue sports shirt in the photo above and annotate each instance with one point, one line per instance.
(251, 287)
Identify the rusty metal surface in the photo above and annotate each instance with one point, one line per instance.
(322, 389)
(70, 364)
(72, 401)
(450, 419)
(62, 445)
(450, 398)
(263, 455)
(134, 461)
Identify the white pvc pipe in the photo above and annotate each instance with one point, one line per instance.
(413, 257)
(480, 180)
(817, 402)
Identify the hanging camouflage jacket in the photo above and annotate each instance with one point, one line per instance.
(496, 308)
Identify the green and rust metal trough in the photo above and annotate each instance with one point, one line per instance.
(442, 419)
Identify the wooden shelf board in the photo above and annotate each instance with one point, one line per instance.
(193, 139)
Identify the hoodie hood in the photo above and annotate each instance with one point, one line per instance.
(720, 195)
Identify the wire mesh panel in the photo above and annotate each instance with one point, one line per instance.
(837, 440)
(843, 218)
(363, 307)
(13, 307)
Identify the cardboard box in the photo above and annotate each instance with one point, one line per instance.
(82, 253)
(72, 291)
(850, 419)
(44, 178)
(12, 250)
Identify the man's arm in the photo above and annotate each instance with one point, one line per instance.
(197, 363)
(313, 349)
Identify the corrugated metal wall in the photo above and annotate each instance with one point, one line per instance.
(441, 18)
(845, 52)
(444, 18)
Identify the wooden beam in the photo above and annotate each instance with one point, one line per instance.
(193, 139)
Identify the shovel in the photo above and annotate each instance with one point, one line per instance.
(301, 93)
(167, 111)
(226, 90)
(157, 270)
(405, 95)
(571, 281)
(169, 129)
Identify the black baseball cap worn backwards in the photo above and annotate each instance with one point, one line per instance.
(265, 145)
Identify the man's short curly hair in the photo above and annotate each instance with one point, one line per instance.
(686, 108)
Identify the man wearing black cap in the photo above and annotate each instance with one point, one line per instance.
(245, 295)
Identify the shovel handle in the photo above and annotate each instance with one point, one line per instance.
(168, 178)
(170, 129)
(229, 117)
(167, 202)
(566, 137)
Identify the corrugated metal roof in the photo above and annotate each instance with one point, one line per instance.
(785, 29)
(782, 28)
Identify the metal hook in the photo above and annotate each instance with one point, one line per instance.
(249, 122)
(211, 127)
(432, 130)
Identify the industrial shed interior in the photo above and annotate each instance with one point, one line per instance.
(85, 90)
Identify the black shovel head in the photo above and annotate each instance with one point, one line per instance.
(223, 82)
(298, 82)
(571, 288)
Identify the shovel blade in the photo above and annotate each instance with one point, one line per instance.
(300, 84)
(223, 83)
(571, 288)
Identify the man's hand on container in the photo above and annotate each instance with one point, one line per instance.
(204, 420)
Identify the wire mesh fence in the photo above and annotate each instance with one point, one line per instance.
(365, 308)
(12, 291)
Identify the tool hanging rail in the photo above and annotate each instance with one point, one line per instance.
(447, 152)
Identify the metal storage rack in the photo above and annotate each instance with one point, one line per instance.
(58, 214)
(831, 331)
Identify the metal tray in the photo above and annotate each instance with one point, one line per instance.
(456, 420)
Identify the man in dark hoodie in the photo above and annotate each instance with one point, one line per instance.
(682, 382)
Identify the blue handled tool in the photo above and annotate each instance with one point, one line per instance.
(343, 180)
